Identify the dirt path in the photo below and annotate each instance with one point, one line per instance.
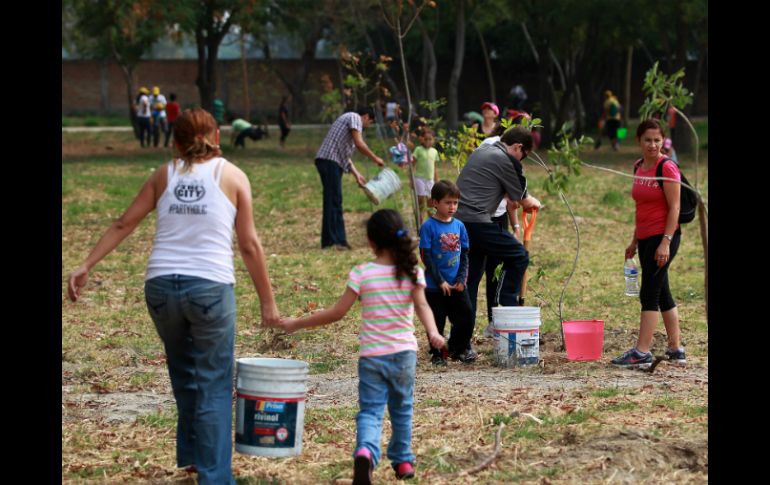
(339, 389)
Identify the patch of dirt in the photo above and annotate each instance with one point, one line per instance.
(621, 454)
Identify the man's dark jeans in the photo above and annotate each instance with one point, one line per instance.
(489, 240)
(332, 224)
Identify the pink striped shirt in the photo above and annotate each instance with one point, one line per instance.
(386, 308)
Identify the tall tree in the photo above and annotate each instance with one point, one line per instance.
(208, 21)
(121, 30)
(457, 66)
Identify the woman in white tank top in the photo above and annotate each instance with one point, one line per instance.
(200, 197)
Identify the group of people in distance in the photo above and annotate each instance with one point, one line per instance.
(155, 114)
(190, 275)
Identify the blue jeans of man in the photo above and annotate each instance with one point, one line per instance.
(489, 240)
(386, 379)
(332, 223)
(195, 318)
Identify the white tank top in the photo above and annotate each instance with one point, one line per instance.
(194, 228)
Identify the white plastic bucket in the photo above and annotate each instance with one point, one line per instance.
(517, 335)
(382, 186)
(270, 410)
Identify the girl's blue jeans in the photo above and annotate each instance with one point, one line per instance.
(195, 318)
(386, 379)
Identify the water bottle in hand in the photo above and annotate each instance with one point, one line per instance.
(631, 273)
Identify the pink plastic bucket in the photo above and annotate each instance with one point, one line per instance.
(584, 339)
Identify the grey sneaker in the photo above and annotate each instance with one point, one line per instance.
(633, 359)
(676, 356)
(489, 331)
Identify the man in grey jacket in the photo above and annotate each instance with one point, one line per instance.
(491, 172)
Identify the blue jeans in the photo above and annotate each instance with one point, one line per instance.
(386, 379)
(332, 223)
(195, 318)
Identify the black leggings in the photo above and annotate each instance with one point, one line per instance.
(655, 294)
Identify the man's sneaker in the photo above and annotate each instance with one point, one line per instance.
(404, 470)
(676, 356)
(489, 331)
(362, 467)
(633, 359)
(466, 356)
(438, 360)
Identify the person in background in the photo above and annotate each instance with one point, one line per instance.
(143, 115)
(656, 237)
(159, 121)
(199, 197)
(332, 160)
(425, 158)
(490, 112)
(610, 120)
(283, 120)
(391, 289)
(172, 113)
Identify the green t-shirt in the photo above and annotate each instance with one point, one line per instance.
(240, 124)
(426, 162)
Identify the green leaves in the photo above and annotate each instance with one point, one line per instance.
(564, 155)
(662, 92)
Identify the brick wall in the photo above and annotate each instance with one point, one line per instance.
(82, 84)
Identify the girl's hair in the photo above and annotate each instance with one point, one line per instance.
(387, 231)
(195, 136)
(498, 130)
(426, 131)
(648, 124)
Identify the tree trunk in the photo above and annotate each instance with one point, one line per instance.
(431, 66)
(627, 97)
(702, 55)
(488, 64)
(202, 81)
(128, 75)
(546, 96)
(244, 69)
(454, 78)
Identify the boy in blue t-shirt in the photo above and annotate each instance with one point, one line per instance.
(444, 251)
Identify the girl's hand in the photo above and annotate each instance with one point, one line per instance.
(459, 287)
(445, 289)
(662, 253)
(436, 340)
(77, 281)
(288, 325)
(631, 250)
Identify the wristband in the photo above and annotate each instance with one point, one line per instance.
(670, 237)
(516, 226)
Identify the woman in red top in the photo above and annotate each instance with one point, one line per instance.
(656, 236)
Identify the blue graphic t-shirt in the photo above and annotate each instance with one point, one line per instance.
(444, 241)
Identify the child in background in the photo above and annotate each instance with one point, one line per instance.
(391, 290)
(668, 150)
(425, 173)
(444, 250)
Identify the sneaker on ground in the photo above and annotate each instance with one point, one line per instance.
(466, 356)
(633, 359)
(677, 356)
(489, 331)
(404, 470)
(362, 467)
(438, 360)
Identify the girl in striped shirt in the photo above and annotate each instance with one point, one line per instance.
(391, 289)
